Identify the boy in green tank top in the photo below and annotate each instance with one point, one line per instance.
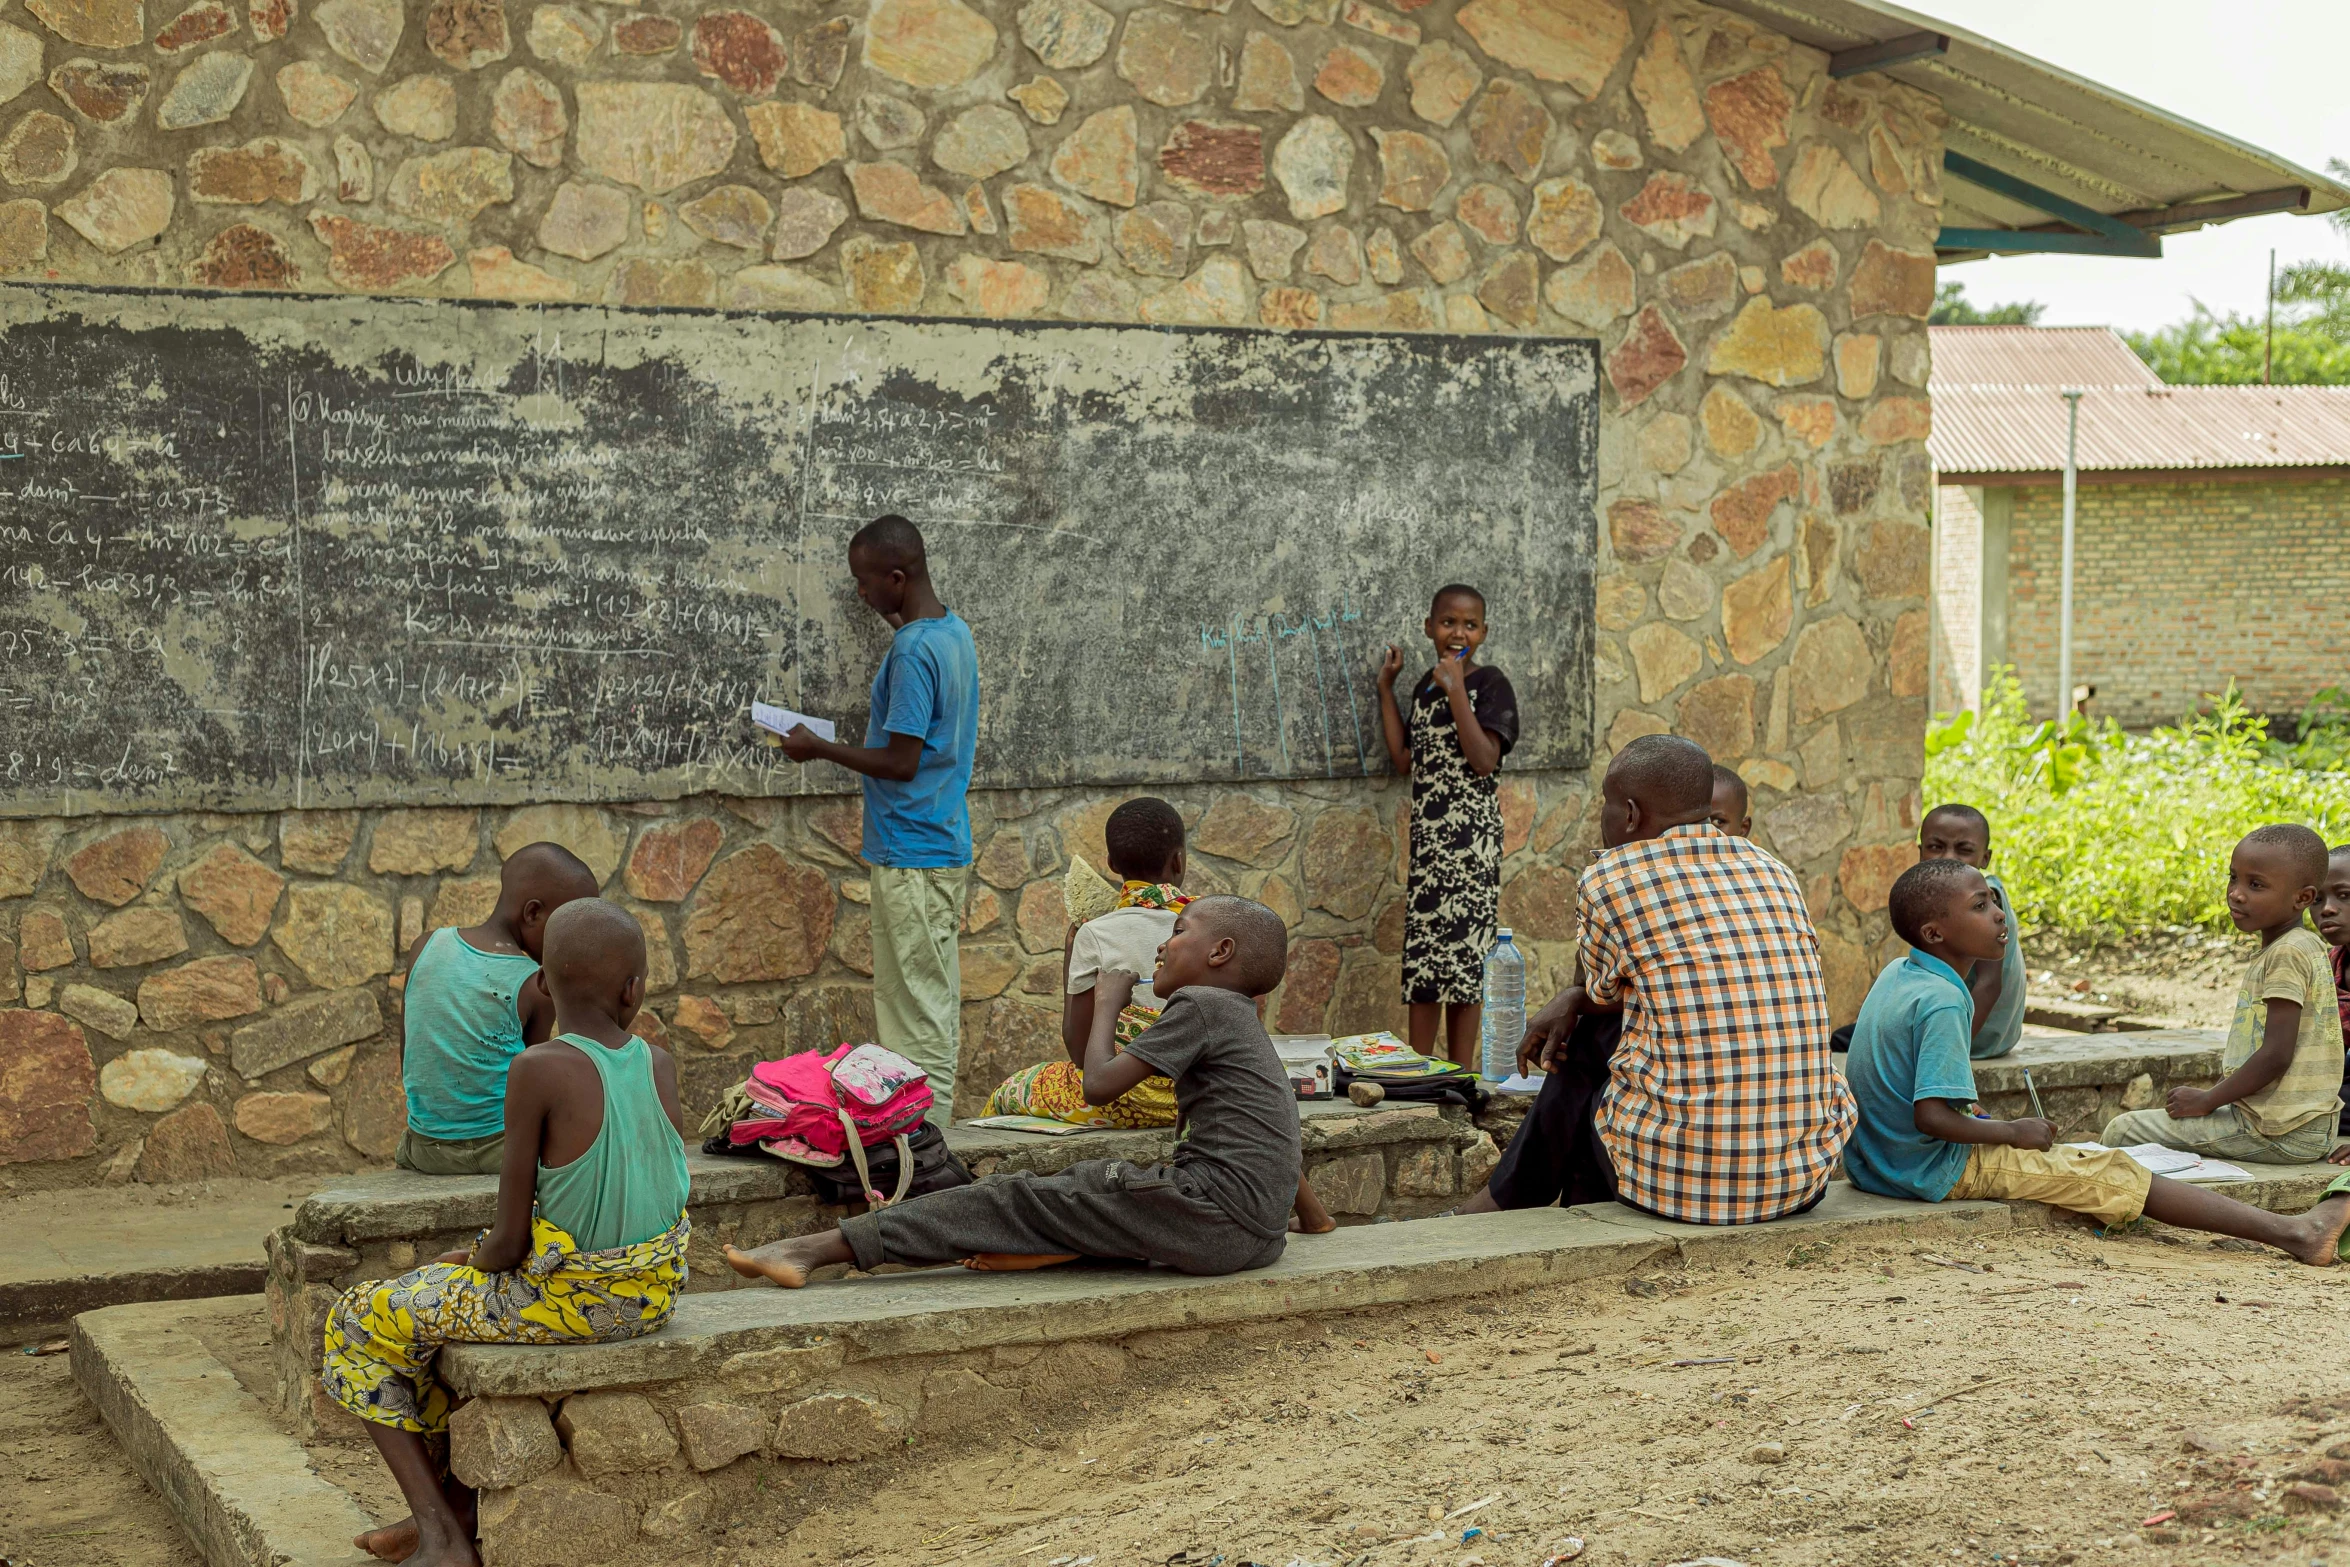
(473, 1001)
(588, 1244)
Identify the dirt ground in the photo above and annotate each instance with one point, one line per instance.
(1856, 1404)
(2186, 979)
(68, 1496)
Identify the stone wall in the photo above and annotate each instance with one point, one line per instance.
(1749, 241)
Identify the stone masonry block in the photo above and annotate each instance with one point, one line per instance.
(1424, 1172)
(956, 1398)
(614, 1433)
(555, 1522)
(835, 1427)
(302, 1029)
(717, 1434)
(1355, 1184)
(498, 1444)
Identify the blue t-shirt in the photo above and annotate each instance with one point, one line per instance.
(2005, 1025)
(1910, 1044)
(928, 685)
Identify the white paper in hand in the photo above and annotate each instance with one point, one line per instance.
(782, 720)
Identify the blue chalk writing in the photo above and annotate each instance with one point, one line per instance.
(1272, 630)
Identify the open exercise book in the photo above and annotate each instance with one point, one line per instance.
(2179, 1164)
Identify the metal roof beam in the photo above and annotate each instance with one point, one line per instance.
(1887, 53)
(2100, 235)
(2046, 241)
(2195, 214)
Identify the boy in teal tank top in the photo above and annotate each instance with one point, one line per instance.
(588, 1245)
(472, 1003)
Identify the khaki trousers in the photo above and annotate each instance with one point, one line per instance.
(918, 972)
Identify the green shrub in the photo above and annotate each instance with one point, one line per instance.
(2101, 834)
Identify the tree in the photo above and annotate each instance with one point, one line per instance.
(2312, 341)
(2232, 350)
(1952, 309)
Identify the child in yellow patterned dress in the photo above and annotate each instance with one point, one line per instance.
(588, 1244)
(1145, 841)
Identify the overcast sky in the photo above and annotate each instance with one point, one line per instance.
(2268, 72)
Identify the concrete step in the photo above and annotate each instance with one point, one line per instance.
(77, 1250)
(239, 1483)
(943, 1310)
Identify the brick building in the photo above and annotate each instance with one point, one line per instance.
(2207, 543)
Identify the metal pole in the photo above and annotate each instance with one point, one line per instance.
(2268, 351)
(2064, 610)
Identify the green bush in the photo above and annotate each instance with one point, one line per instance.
(2102, 834)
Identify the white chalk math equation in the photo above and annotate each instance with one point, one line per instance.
(1317, 691)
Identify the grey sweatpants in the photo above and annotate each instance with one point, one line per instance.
(1100, 1208)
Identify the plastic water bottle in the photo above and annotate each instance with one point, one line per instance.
(1505, 1008)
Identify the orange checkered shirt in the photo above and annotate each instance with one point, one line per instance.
(1723, 1105)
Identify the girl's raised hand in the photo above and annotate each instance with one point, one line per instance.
(1391, 666)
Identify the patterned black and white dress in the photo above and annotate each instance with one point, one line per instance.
(1456, 842)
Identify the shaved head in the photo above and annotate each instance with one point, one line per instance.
(1925, 892)
(2293, 845)
(891, 543)
(1260, 942)
(592, 946)
(1667, 775)
(546, 871)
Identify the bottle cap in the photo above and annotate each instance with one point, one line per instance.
(1502, 933)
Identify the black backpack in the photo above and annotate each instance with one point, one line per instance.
(1451, 1085)
(936, 1169)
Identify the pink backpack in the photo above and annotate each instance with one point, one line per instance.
(825, 1106)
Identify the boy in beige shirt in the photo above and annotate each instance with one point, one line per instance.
(2280, 1088)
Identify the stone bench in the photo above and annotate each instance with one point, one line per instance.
(664, 1436)
(2085, 1080)
(1391, 1162)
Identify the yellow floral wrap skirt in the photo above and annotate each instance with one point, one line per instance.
(1055, 1090)
(381, 1338)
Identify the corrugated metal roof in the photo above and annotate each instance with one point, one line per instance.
(1999, 408)
(2062, 132)
(2035, 356)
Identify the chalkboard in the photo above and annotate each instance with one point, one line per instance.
(260, 552)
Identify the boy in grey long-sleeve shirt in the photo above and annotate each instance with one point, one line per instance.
(1222, 1204)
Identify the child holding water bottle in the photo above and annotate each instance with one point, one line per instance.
(1461, 720)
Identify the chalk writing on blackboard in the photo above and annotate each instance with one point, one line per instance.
(315, 551)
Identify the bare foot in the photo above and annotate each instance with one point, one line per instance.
(772, 1263)
(1016, 1261)
(2321, 1242)
(394, 1542)
(446, 1553)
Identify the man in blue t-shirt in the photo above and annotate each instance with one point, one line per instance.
(916, 765)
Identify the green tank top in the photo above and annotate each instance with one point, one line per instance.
(631, 1183)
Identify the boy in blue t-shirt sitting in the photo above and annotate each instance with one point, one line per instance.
(1911, 1072)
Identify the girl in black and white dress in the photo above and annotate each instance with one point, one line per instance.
(1461, 721)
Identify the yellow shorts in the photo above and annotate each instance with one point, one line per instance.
(2103, 1183)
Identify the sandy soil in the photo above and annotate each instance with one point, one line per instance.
(68, 1496)
(1872, 1407)
(1861, 1404)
